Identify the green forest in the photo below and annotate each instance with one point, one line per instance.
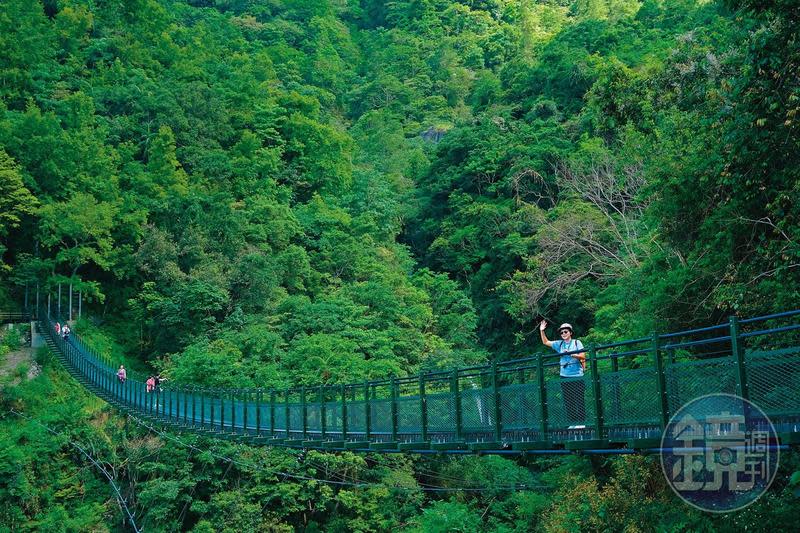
(265, 193)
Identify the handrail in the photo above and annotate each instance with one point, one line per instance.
(488, 405)
(517, 361)
(770, 317)
(770, 331)
(693, 331)
(16, 316)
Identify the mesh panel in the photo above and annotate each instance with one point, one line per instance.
(629, 397)
(280, 417)
(194, 409)
(180, 403)
(296, 417)
(238, 411)
(138, 397)
(689, 380)
(265, 414)
(252, 415)
(172, 404)
(520, 406)
(213, 403)
(409, 414)
(333, 416)
(477, 409)
(381, 416)
(228, 411)
(774, 380)
(356, 417)
(185, 403)
(312, 417)
(569, 402)
(441, 412)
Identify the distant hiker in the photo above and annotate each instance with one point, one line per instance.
(65, 331)
(58, 328)
(572, 365)
(121, 374)
(158, 380)
(150, 383)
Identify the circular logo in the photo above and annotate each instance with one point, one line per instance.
(719, 453)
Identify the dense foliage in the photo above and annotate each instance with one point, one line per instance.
(293, 191)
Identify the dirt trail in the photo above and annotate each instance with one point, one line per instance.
(10, 362)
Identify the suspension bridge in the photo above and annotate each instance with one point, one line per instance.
(629, 391)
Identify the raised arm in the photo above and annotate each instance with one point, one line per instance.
(545, 341)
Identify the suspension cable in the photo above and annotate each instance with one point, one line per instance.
(357, 483)
(120, 499)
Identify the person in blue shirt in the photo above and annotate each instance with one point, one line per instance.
(571, 367)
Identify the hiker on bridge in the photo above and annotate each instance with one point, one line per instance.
(122, 375)
(572, 366)
(65, 331)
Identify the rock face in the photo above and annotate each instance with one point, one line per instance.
(433, 134)
(34, 370)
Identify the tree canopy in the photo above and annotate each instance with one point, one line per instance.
(260, 194)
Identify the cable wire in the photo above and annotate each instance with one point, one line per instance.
(358, 484)
(109, 477)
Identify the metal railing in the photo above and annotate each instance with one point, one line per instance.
(7, 317)
(627, 394)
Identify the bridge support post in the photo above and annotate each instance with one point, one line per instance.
(738, 353)
(246, 395)
(322, 411)
(344, 413)
(202, 408)
(542, 396)
(185, 392)
(616, 400)
(598, 400)
(393, 395)
(272, 413)
(259, 398)
(304, 409)
(498, 423)
(211, 415)
(236, 397)
(423, 408)
(454, 390)
(221, 411)
(661, 381)
(287, 412)
(367, 413)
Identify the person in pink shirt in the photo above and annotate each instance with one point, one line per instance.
(150, 383)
